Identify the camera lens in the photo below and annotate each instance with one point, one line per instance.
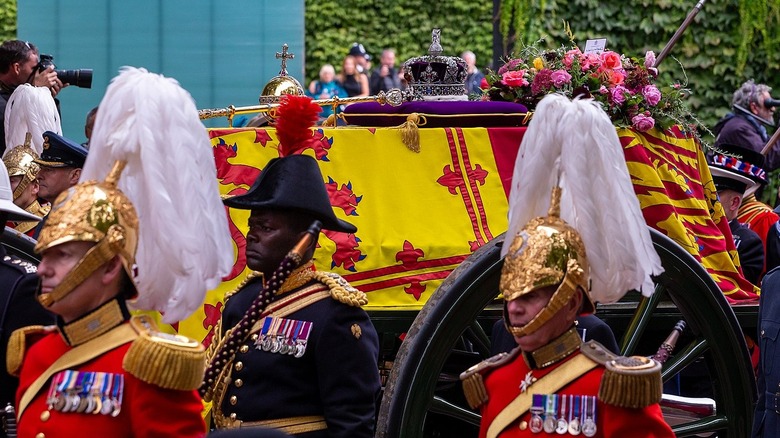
(81, 78)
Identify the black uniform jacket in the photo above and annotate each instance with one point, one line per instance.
(18, 308)
(337, 377)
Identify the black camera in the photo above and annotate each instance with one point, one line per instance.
(769, 103)
(81, 78)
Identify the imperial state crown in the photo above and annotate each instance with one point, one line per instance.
(436, 77)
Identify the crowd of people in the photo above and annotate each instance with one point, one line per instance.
(294, 352)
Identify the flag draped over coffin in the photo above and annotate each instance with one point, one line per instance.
(420, 214)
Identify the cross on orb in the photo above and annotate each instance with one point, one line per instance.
(284, 56)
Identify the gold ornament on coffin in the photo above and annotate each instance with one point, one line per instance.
(283, 83)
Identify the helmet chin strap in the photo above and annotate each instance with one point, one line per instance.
(97, 256)
(560, 297)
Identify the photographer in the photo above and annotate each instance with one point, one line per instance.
(752, 109)
(19, 65)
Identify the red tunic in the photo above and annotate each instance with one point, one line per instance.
(147, 409)
(503, 386)
(759, 217)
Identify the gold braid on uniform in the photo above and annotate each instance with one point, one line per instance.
(473, 380)
(219, 339)
(340, 289)
(17, 346)
(631, 382)
(168, 361)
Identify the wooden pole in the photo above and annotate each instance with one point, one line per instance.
(771, 142)
(678, 33)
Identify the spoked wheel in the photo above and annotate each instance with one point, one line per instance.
(419, 391)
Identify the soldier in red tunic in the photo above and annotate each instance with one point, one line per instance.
(553, 383)
(100, 371)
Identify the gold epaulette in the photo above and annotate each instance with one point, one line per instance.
(168, 361)
(340, 289)
(17, 347)
(473, 378)
(628, 382)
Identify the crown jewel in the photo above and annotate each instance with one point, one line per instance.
(434, 76)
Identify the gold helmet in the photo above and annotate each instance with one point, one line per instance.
(546, 252)
(572, 150)
(20, 161)
(91, 212)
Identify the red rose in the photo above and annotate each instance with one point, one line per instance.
(515, 78)
(610, 60)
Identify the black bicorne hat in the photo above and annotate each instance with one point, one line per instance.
(292, 183)
(59, 151)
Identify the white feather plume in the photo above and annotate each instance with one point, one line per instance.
(30, 109)
(184, 246)
(573, 144)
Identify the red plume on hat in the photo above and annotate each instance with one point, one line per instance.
(294, 119)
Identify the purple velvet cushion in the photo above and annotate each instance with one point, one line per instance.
(470, 114)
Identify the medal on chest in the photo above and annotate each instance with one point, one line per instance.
(562, 425)
(284, 336)
(574, 414)
(589, 415)
(536, 424)
(86, 392)
(551, 407)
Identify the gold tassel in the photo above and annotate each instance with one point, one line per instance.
(475, 391)
(410, 134)
(631, 382)
(330, 121)
(168, 361)
(17, 344)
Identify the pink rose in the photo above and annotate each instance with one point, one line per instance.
(603, 90)
(642, 122)
(560, 77)
(589, 60)
(610, 60)
(484, 84)
(570, 56)
(619, 94)
(649, 59)
(652, 95)
(515, 78)
(615, 77)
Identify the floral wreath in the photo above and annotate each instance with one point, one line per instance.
(624, 86)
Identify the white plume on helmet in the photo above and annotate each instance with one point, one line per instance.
(573, 144)
(184, 244)
(30, 109)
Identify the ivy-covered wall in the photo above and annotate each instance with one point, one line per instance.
(7, 20)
